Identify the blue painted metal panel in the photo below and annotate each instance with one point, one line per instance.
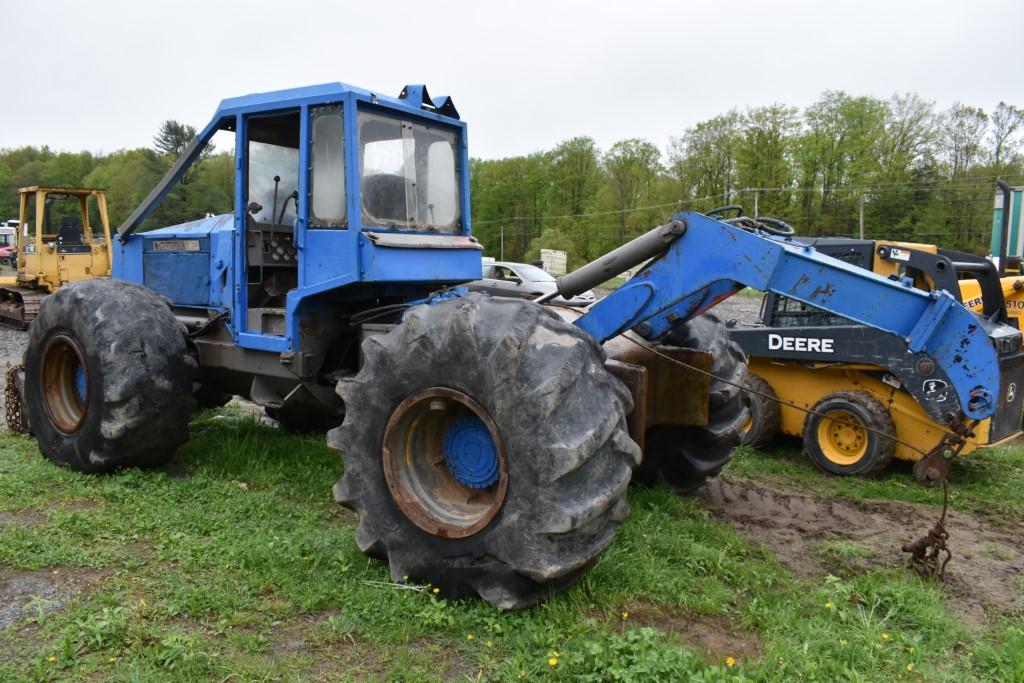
(713, 260)
(184, 278)
(442, 266)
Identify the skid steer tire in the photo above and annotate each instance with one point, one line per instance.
(835, 438)
(765, 414)
(108, 377)
(563, 455)
(683, 458)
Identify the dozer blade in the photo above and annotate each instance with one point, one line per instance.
(19, 306)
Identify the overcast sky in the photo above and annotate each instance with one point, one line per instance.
(103, 75)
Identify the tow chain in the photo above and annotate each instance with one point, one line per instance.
(930, 470)
(929, 554)
(12, 402)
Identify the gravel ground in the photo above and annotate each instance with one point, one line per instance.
(745, 310)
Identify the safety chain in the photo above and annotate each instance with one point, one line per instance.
(929, 554)
(12, 402)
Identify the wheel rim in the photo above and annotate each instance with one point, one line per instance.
(748, 424)
(444, 463)
(842, 437)
(65, 383)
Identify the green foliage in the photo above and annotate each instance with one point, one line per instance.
(918, 173)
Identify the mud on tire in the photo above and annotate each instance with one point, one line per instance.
(765, 414)
(560, 417)
(682, 458)
(108, 377)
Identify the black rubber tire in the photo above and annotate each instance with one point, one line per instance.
(560, 415)
(765, 413)
(139, 393)
(871, 413)
(303, 421)
(683, 458)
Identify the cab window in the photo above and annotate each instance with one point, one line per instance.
(409, 174)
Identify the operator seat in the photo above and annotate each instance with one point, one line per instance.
(70, 232)
(384, 197)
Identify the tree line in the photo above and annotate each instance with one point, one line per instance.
(910, 170)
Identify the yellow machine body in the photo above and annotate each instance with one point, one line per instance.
(805, 384)
(49, 256)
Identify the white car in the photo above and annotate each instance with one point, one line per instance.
(523, 281)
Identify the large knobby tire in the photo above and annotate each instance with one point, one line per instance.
(765, 419)
(835, 438)
(562, 449)
(108, 377)
(683, 458)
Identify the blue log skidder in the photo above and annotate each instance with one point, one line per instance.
(488, 443)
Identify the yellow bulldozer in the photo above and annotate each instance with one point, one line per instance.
(63, 235)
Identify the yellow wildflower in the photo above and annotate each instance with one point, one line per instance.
(436, 591)
(842, 642)
(553, 661)
(489, 643)
(51, 658)
(828, 605)
(625, 615)
(910, 667)
(885, 636)
(729, 661)
(469, 636)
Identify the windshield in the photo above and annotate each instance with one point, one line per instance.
(409, 174)
(535, 274)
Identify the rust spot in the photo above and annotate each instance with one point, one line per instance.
(824, 292)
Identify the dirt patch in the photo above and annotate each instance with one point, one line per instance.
(815, 536)
(79, 505)
(23, 518)
(28, 594)
(294, 635)
(713, 637)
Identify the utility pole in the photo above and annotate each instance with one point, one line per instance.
(501, 250)
(862, 216)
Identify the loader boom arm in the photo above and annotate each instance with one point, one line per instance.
(705, 261)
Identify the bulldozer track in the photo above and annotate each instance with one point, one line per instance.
(19, 306)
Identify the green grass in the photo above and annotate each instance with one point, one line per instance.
(247, 571)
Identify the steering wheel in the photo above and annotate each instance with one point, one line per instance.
(722, 210)
(775, 226)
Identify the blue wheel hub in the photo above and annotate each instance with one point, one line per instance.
(80, 382)
(470, 453)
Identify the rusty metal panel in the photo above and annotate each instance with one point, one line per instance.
(675, 394)
(635, 379)
(678, 395)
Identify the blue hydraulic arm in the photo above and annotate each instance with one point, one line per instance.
(698, 262)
